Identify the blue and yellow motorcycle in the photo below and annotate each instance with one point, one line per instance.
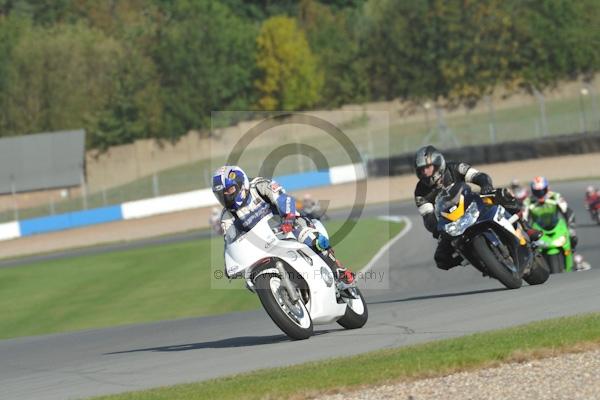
(484, 233)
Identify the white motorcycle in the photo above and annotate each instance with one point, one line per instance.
(295, 286)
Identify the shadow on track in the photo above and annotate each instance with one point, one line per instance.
(243, 341)
(437, 296)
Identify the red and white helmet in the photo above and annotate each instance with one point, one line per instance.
(539, 187)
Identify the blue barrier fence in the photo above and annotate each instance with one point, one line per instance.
(70, 220)
(77, 219)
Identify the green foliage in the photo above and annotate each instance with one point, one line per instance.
(58, 76)
(205, 61)
(453, 50)
(71, 76)
(262, 9)
(134, 109)
(10, 32)
(290, 78)
(459, 50)
(334, 38)
(557, 39)
(133, 69)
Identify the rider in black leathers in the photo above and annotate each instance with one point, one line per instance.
(434, 174)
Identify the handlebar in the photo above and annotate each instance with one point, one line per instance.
(498, 192)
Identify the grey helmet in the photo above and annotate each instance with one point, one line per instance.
(429, 155)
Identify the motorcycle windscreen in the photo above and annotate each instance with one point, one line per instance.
(450, 202)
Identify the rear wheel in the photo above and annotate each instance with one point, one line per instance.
(540, 272)
(293, 319)
(356, 312)
(556, 262)
(494, 266)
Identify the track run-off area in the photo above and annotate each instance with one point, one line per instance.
(410, 301)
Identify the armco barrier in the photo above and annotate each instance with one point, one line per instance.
(502, 152)
(166, 204)
(304, 180)
(10, 230)
(70, 220)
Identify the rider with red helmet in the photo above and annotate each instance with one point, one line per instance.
(540, 193)
(592, 201)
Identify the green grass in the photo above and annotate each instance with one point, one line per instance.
(431, 359)
(149, 284)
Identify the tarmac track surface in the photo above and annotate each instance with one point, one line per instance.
(414, 302)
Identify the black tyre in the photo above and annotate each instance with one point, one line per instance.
(356, 313)
(293, 319)
(540, 272)
(556, 262)
(494, 266)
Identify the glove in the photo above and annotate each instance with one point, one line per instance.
(322, 243)
(288, 223)
(487, 189)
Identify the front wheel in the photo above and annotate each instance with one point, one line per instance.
(539, 271)
(293, 319)
(494, 266)
(356, 311)
(556, 262)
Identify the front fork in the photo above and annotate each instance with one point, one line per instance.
(287, 284)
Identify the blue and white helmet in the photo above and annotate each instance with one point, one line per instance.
(231, 187)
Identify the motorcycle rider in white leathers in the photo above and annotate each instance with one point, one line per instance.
(245, 202)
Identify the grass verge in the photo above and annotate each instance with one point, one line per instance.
(153, 283)
(530, 341)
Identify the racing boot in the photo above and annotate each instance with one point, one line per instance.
(580, 265)
(345, 276)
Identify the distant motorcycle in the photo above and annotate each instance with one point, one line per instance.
(486, 235)
(592, 203)
(295, 286)
(594, 210)
(555, 244)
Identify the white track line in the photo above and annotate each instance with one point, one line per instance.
(386, 247)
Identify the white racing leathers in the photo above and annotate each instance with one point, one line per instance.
(267, 198)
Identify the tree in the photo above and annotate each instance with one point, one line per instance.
(460, 50)
(333, 36)
(557, 40)
(70, 76)
(58, 76)
(11, 29)
(289, 76)
(133, 109)
(204, 55)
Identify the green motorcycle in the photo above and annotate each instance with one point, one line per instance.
(555, 244)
